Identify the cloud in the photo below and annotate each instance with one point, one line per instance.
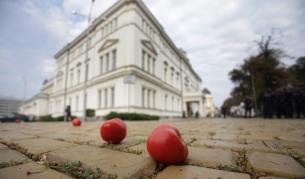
(47, 67)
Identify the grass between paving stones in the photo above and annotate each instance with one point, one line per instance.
(77, 170)
(11, 163)
(243, 166)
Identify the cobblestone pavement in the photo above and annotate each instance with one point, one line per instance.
(218, 149)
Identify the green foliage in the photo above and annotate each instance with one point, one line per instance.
(297, 72)
(260, 72)
(76, 170)
(90, 112)
(49, 118)
(131, 116)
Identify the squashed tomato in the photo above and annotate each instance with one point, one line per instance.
(166, 145)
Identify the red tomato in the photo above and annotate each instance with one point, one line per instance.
(166, 145)
(113, 131)
(18, 120)
(76, 122)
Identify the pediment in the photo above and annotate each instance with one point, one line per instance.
(107, 44)
(149, 46)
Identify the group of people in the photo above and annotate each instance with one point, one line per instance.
(287, 103)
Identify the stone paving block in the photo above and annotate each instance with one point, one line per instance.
(194, 172)
(271, 177)
(140, 148)
(9, 156)
(3, 147)
(124, 165)
(210, 157)
(30, 170)
(221, 144)
(275, 164)
(10, 136)
(42, 145)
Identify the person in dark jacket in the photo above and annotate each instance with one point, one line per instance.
(268, 104)
(68, 113)
(288, 103)
(298, 102)
(248, 107)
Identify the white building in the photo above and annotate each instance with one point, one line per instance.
(132, 66)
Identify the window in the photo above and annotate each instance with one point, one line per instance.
(78, 75)
(165, 73)
(113, 59)
(148, 64)
(116, 22)
(101, 65)
(172, 76)
(106, 98)
(154, 99)
(70, 101)
(148, 98)
(143, 59)
(107, 62)
(143, 97)
(71, 77)
(154, 65)
(102, 32)
(173, 102)
(99, 98)
(112, 96)
(87, 70)
(76, 103)
(165, 104)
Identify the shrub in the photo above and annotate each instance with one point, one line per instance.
(90, 112)
(131, 116)
(49, 118)
(46, 118)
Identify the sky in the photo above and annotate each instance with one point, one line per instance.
(217, 36)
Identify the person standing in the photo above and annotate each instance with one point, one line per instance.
(248, 107)
(268, 104)
(68, 113)
(297, 99)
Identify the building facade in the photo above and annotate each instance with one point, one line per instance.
(132, 66)
(9, 105)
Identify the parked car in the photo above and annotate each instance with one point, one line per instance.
(13, 116)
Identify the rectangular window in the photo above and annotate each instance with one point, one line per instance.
(148, 98)
(76, 103)
(172, 77)
(102, 32)
(173, 102)
(87, 70)
(116, 22)
(71, 78)
(165, 104)
(78, 75)
(106, 98)
(143, 59)
(165, 74)
(107, 62)
(101, 65)
(112, 97)
(113, 59)
(154, 99)
(99, 98)
(154, 66)
(148, 64)
(143, 97)
(70, 101)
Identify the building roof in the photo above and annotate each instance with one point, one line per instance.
(147, 12)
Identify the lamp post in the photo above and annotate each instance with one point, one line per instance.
(86, 56)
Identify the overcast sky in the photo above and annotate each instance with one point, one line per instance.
(217, 35)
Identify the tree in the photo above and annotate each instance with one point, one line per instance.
(259, 72)
(297, 72)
